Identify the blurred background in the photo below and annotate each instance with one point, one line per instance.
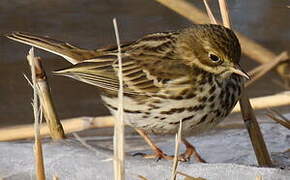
(88, 24)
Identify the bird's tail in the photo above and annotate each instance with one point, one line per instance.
(71, 53)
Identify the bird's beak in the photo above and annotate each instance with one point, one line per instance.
(238, 70)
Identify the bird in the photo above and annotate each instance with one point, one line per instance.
(192, 75)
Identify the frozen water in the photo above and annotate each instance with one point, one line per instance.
(228, 152)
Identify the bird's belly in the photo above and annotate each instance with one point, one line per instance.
(161, 115)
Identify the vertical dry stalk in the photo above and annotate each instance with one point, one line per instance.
(55, 127)
(254, 131)
(40, 173)
(225, 13)
(119, 171)
(175, 160)
(209, 13)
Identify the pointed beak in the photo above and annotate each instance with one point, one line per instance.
(238, 70)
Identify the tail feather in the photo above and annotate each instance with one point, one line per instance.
(71, 53)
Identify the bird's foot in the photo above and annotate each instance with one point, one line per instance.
(158, 155)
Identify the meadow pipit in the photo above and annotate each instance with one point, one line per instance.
(192, 75)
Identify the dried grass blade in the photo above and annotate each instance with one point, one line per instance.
(264, 68)
(209, 12)
(119, 171)
(177, 144)
(225, 13)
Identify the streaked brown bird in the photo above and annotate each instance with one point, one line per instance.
(191, 75)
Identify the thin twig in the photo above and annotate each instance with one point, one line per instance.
(209, 12)
(282, 120)
(119, 125)
(264, 68)
(84, 143)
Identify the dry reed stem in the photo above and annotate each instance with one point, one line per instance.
(251, 48)
(39, 164)
(266, 67)
(119, 160)
(56, 130)
(281, 120)
(40, 172)
(254, 131)
(55, 127)
(209, 13)
(280, 99)
(259, 178)
(70, 125)
(225, 13)
(177, 144)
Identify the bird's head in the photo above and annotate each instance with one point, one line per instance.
(212, 48)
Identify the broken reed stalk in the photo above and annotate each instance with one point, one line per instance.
(55, 127)
(249, 117)
(250, 48)
(119, 160)
(177, 144)
(39, 164)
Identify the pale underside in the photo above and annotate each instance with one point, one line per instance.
(198, 114)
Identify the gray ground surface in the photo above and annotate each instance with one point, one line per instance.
(228, 152)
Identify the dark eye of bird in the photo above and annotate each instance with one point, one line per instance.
(213, 57)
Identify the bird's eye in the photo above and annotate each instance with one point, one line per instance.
(213, 57)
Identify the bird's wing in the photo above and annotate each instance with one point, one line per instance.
(147, 62)
(146, 68)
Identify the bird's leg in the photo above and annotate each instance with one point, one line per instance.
(190, 150)
(158, 153)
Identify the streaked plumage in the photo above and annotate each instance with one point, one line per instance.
(191, 75)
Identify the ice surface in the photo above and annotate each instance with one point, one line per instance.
(228, 152)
